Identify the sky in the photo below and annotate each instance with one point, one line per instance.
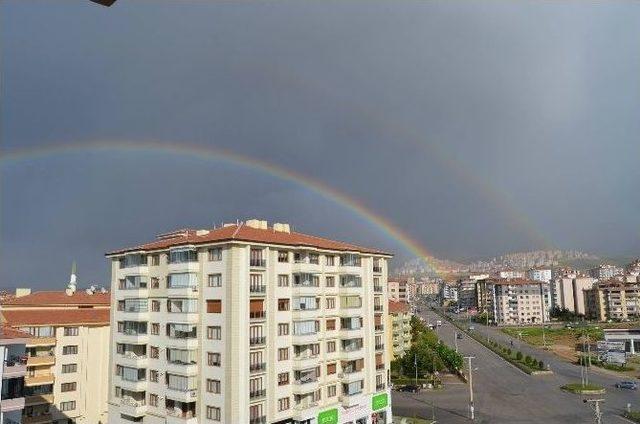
(477, 128)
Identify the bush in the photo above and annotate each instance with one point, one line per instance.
(509, 351)
(541, 364)
(519, 356)
(527, 359)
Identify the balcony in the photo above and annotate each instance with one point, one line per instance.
(38, 380)
(37, 419)
(257, 394)
(258, 420)
(132, 337)
(377, 269)
(258, 367)
(302, 314)
(15, 404)
(305, 386)
(257, 263)
(42, 399)
(257, 315)
(378, 308)
(131, 359)
(258, 291)
(377, 289)
(305, 362)
(351, 375)
(176, 367)
(379, 346)
(379, 327)
(351, 399)
(34, 361)
(182, 395)
(257, 341)
(177, 416)
(381, 387)
(380, 366)
(183, 291)
(307, 338)
(41, 341)
(14, 368)
(133, 407)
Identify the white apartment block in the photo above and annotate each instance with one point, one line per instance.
(397, 289)
(519, 302)
(540, 274)
(248, 324)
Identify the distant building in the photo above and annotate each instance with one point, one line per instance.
(398, 328)
(605, 271)
(449, 292)
(518, 301)
(540, 274)
(467, 296)
(511, 274)
(13, 369)
(397, 289)
(67, 354)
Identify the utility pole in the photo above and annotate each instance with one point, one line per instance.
(455, 339)
(415, 364)
(471, 406)
(594, 404)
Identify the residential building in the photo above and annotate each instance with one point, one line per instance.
(12, 371)
(568, 292)
(613, 299)
(540, 274)
(248, 323)
(448, 292)
(467, 295)
(518, 301)
(511, 274)
(399, 328)
(605, 271)
(397, 289)
(66, 353)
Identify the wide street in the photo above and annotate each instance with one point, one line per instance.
(504, 394)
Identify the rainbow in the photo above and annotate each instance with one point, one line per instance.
(387, 227)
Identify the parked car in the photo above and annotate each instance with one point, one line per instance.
(411, 388)
(627, 385)
(471, 328)
(458, 335)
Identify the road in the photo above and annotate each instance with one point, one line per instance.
(504, 394)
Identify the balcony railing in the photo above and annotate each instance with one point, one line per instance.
(256, 394)
(377, 289)
(258, 420)
(377, 269)
(175, 412)
(379, 366)
(379, 327)
(380, 387)
(257, 289)
(257, 315)
(378, 308)
(132, 402)
(258, 262)
(380, 346)
(258, 367)
(257, 341)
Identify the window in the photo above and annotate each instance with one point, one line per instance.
(68, 387)
(330, 324)
(283, 379)
(183, 255)
(283, 404)
(330, 281)
(314, 258)
(213, 413)
(68, 406)
(283, 354)
(155, 328)
(154, 352)
(214, 280)
(69, 368)
(213, 386)
(256, 258)
(283, 280)
(155, 306)
(331, 302)
(214, 332)
(214, 306)
(155, 260)
(155, 283)
(213, 359)
(283, 304)
(283, 256)
(331, 346)
(331, 368)
(153, 376)
(153, 399)
(331, 391)
(215, 254)
(70, 350)
(330, 260)
(283, 329)
(306, 327)
(70, 331)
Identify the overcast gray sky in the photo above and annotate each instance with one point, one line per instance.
(476, 127)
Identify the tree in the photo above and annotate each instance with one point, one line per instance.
(519, 356)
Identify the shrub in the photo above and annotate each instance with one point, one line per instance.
(527, 359)
(519, 356)
(509, 351)
(541, 364)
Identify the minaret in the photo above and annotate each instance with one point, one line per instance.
(71, 287)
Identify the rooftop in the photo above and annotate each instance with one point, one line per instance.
(398, 307)
(17, 318)
(59, 298)
(247, 233)
(8, 333)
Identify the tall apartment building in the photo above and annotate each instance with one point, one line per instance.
(517, 301)
(397, 289)
(12, 371)
(398, 328)
(66, 354)
(568, 292)
(613, 299)
(248, 324)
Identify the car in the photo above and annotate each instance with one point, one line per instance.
(458, 335)
(627, 385)
(471, 328)
(411, 388)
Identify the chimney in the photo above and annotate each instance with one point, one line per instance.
(282, 228)
(20, 292)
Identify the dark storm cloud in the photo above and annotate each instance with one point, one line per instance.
(478, 127)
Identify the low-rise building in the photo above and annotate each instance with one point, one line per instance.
(67, 354)
(399, 328)
(12, 372)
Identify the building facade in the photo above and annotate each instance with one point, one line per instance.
(613, 300)
(517, 301)
(540, 274)
(248, 324)
(399, 328)
(397, 289)
(66, 354)
(12, 372)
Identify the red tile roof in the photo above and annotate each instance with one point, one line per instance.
(398, 307)
(58, 298)
(512, 281)
(12, 333)
(249, 234)
(55, 317)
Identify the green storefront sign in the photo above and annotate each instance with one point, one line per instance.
(328, 417)
(379, 401)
